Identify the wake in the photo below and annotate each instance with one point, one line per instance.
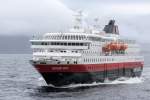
(122, 80)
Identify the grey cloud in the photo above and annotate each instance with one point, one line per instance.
(132, 16)
(40, 16)
(32, 16)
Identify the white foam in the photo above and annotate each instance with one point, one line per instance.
(121, 80)
(40, 79)
(134, 80)
(41, 82)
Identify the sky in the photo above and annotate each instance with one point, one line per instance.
(111, 6)
(28, 17)
(132, 16)
(33, 16)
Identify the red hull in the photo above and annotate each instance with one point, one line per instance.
(86, 67)
(59, 75)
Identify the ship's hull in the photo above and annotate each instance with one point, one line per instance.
(59, 75)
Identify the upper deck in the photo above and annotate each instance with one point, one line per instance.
(83, 38)
(82, 46)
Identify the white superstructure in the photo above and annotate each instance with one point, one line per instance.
(82, 46)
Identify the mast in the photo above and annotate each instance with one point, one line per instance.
(78, 22)
(96, 23)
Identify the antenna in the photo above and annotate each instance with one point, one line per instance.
(96, 23)
(78, 20)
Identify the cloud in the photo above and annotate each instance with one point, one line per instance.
(40, 16)
(33, 16)
(132, 16)
(105, 7)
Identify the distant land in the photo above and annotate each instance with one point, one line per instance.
(19, 44)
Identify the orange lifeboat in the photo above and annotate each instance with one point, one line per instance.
(123, 46)
(114, 46)
(118, 46)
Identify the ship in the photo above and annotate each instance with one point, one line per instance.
(86, 55)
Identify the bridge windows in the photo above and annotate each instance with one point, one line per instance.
(69, 44)
(61, 43)
(57, 43)
(66, 37)
(73, 44)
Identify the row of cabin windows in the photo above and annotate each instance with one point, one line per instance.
(127, 41)
(74, 37)
(101, 53)
(91, 52)
(97, 59)
(62, 51)
(67, 37)
(59, 43)
(68, 62)
(106, 40)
